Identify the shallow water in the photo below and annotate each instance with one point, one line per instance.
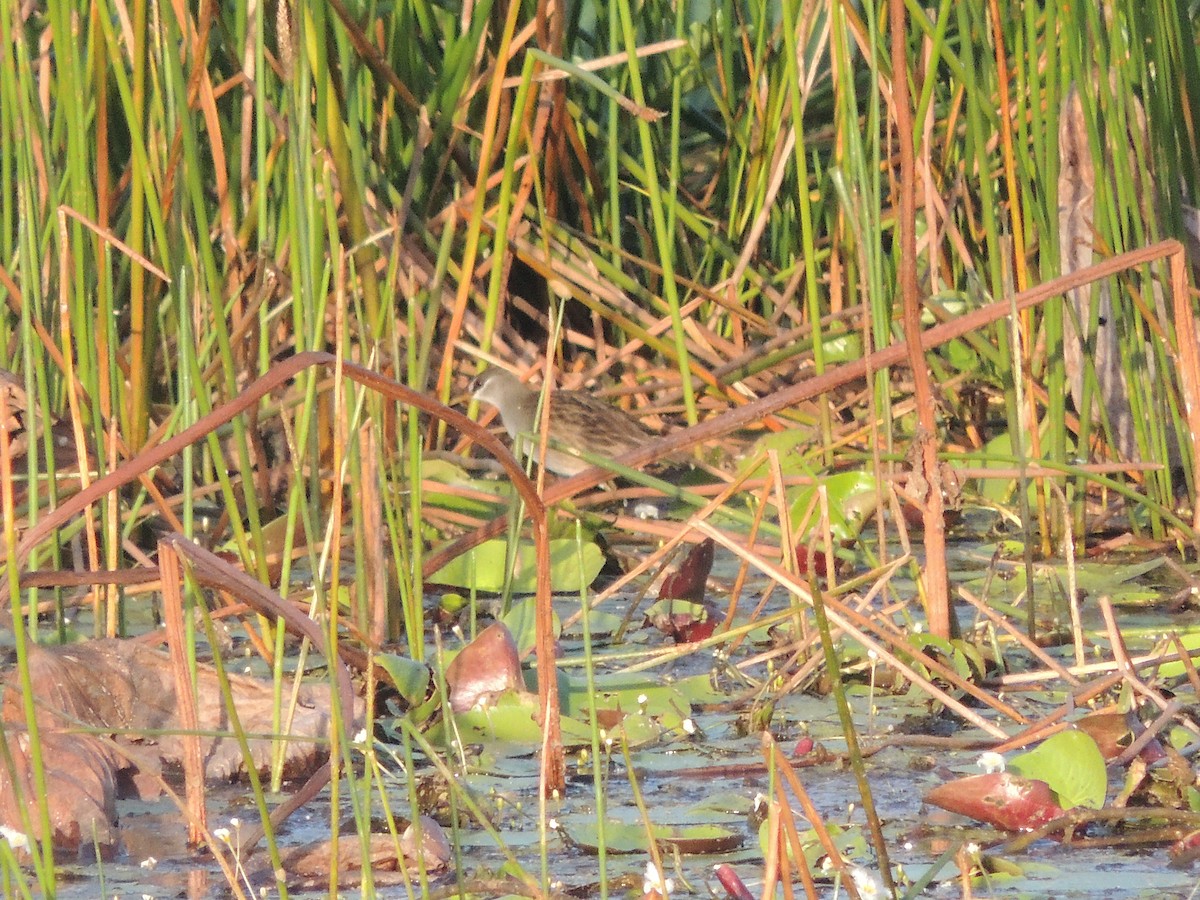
(682, 781)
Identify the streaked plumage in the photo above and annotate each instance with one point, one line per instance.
(578, 421)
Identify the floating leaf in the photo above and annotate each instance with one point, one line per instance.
(485, 668)
(1111, 729)
(684, 621)
(631, 691)
(521, 620)
(843, 348)
(474, 503)
(511, 720)
(691, 578)
(848, 840)
(848, 493)
(962, 656)
(1071, 764)
(1190, 641)
(409, 677)
(637, 729)
(624, 837)
(483, 568)
(600, 622)
(1002, 799)
(737, 803)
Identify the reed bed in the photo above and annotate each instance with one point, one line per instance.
(249, 255)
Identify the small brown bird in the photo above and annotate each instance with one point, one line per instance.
(578, 422)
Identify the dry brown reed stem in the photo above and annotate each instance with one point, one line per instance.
(754, 411)
(793, 851)
(774, 848)
(680, 533)
(553, 766)
(862, 628)
(805, 645)
(1019, 636)
(1121, 656)
(1032, 680)
(213, 572)
(380, 67)
(1067, 823)
(110, 238)
(600, 62)
(1149, 733)
(1188, 361)
(935, 577)
(775, 759)
(739, 581)
(193, 764)
(1188, 666)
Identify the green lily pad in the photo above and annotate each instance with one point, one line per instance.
(438, 472)
(628, 837)
(521, 620)
(848, 840)
(410, 677)
(723, 803)
(1190, 641)
(851, 499)
(627, 692)
(601, 623)
(1117, 582)
(1071, 763)
(511, 721)
(843, 348)
(483, 568)
(637, 729)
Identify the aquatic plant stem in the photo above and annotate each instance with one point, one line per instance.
(833, 670)
(594, 725)
(757, 410)
(935, 580)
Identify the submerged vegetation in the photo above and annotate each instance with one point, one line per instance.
(868, 271)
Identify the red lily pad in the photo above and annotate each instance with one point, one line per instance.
(1002, 799)
(484, 669)
(817, 563)
(684, 621)
(689, 581)
(1185, 851)
(1113, 731)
